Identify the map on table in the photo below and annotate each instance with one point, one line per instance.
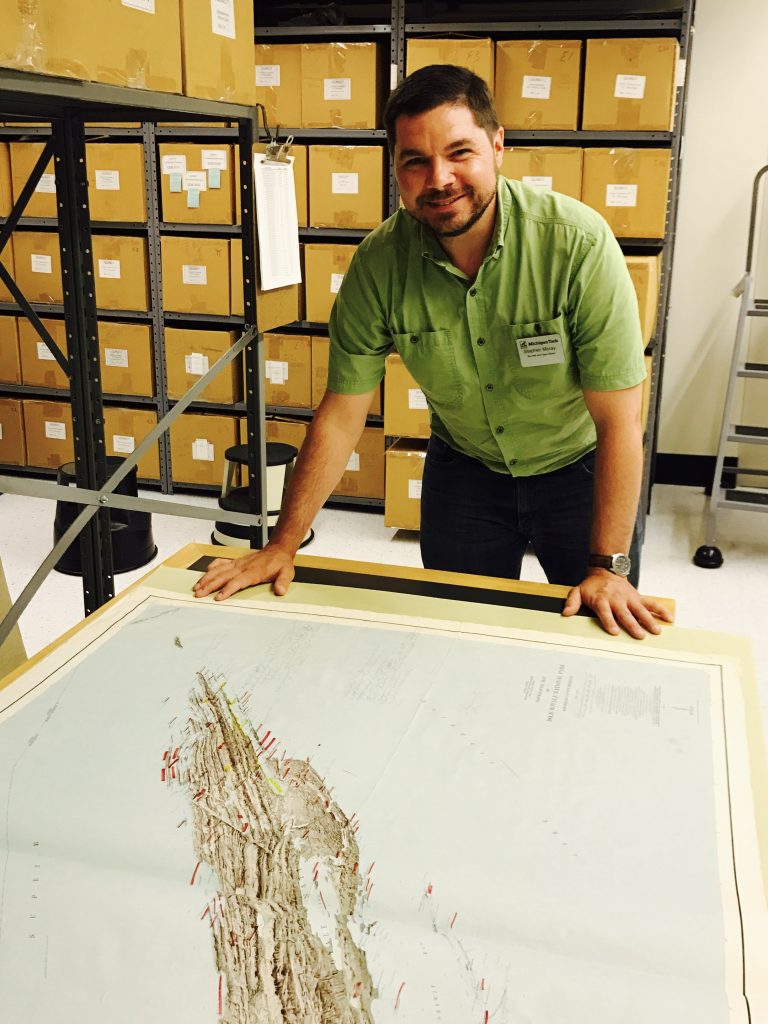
(248, 813)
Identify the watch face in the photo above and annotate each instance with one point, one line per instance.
(621, 565)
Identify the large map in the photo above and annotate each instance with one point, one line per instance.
(250, 814)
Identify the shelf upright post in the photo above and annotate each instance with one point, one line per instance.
(152, 189)
(68, 137)
(397, 64)
(254, 352)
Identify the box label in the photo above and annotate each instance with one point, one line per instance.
(414, 489)
(109, 268)
(536, 87)
(1, 431)
(202, 450)
(345, 184)
(174, 183)
(116, 357)
(55, 430)
(196, 364)
(43, 352)
(680, 72)
(353, 466)
(148, 6)
(191, 274)
(123, 444)
(276, 371)
(47, 183)
(336, 280)
(268, 74)
(416, 399)
(108, 181)
(629, 87)
(40, 263)
(543, 350)
(195, 181)
(215, 159)
(337, 88)
(621, 195)
(538, 181)
(223, 18)
(172, 163)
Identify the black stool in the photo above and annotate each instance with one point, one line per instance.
(132, 542)
(280, 461)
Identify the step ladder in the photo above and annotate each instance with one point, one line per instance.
(709, 556)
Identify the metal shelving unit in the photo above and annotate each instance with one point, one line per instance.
(67, 104)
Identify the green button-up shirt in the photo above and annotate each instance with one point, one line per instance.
(502, 359)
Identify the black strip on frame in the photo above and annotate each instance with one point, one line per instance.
(420, 588)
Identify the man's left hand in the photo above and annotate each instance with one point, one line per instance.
(617, 605)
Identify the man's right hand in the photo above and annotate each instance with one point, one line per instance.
(228, 575)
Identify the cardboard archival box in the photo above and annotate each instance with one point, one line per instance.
(629, 84)
(346, 186)
(195, 274)
(124, 430)
(629, 188)
(38, 364)
(300, 182)
(10, 361)
(474, 54)
(555, 168)
(12, 450)
(38, 265)
(125, 352)
(325, 266)
(537, 83)
(288, 369)
(121, 270)
(217, 48)
(645, 272)
(278, 82)
(646, 399)
(42, 202)
(198, 444)
(274, 308)
(197, 183)
(406, 413)
(404, 464)
(6, 258)
(189, 354)
(116, 188)
(320, 352)
(136, 44)
(48, 433)
(6, 187)
(364, 475)
(284, 431)
(339, 85)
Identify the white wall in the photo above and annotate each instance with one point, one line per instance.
(726, 142)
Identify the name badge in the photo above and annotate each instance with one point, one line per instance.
(542, 350)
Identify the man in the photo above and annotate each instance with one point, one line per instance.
(514, 311)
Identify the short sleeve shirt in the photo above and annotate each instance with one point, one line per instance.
(501, 359)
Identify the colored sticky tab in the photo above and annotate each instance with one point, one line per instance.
(175, 182)
(193, 199)
(214, 177)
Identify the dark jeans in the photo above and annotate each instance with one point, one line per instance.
(477, 521)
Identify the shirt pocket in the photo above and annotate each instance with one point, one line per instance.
(537, 358)
(431, 360)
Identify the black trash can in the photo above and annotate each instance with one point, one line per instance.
(132, 542)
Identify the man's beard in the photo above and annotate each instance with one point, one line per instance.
(479, 204)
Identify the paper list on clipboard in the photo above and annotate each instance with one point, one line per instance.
(277, 223)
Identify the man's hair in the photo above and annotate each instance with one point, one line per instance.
(435, 85)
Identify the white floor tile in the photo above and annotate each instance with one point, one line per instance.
(732, 599)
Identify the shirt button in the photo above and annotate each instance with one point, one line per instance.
(414, 338)
(499, 430)
(489, 387)
(473, 292)
(481, 341)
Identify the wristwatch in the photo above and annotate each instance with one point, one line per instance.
(619, 564)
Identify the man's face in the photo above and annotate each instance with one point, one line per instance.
(446, 167)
